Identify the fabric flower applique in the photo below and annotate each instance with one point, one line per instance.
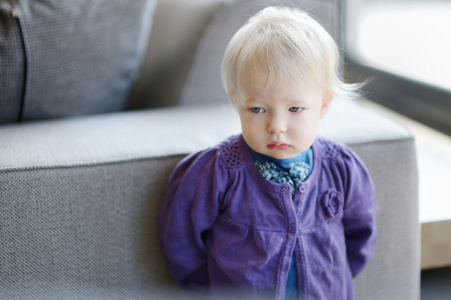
(332, 202)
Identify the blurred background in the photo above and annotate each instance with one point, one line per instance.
(404, 48)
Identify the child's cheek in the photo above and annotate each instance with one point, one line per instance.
(306, 131)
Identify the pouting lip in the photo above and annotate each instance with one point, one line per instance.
(277, 145)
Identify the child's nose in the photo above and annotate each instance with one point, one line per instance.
(276, 124)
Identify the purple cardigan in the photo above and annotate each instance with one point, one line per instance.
(223, 225)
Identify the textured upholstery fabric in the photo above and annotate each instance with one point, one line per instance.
(394, 273)
(86, 232)
(79, 219)
(79, 204)
(71, 57)
(204, 81)
(11, 66)
(114, 137)
(176, 29)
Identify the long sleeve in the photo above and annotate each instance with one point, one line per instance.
(359, 217)
(189, 210)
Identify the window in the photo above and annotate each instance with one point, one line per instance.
(404, 47)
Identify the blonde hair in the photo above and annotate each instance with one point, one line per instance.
(286, 44)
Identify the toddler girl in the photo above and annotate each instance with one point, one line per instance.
(276, 210)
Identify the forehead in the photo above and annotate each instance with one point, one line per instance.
(260, 83)
(257, 79)
(259, 90)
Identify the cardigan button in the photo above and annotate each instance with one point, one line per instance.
(292, 228)
(302, 190)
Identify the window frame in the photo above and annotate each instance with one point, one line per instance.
(417, 100)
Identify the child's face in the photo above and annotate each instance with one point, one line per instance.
(279, 120)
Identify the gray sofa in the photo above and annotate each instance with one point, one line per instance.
(80, 194)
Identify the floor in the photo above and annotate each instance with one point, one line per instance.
(436, 284)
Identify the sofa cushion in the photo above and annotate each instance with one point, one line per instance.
(64, 58)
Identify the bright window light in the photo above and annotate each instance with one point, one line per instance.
(408, 38)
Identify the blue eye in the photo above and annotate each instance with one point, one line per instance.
(295, 109)
(258, 110)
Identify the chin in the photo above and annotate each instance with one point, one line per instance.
(282, 155)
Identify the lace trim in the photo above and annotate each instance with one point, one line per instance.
(231, 154)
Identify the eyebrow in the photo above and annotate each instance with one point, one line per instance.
(250, 100)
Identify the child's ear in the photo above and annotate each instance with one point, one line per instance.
(327, 101)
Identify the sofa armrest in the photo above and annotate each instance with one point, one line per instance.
(80, 198)
(388, 150)
(112, 138)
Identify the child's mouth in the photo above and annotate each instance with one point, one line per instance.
(278, 146)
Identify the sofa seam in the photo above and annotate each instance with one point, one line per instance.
(407, 139)
(91, 165)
